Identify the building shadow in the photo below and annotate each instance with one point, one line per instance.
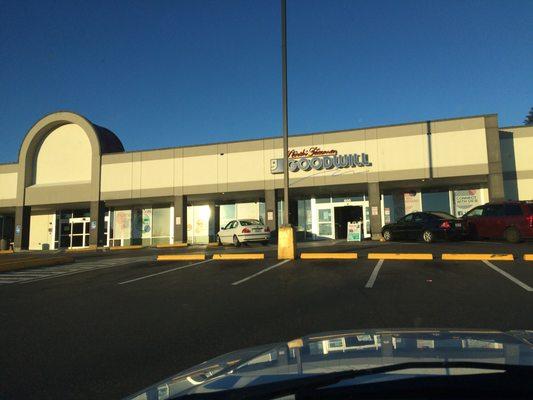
(507, 151)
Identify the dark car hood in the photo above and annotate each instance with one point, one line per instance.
(343, 350)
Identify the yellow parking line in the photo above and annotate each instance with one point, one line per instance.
(241, 256)
(477, 257)
(181, 257)
(400, 256)
(328, 256)
(528, 257)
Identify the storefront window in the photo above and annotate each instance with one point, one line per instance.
(436, 201)
(227, 213)
(305, 217)
(198, 224)
(160, 224)
(122, 226)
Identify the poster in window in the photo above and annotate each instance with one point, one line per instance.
(122, 228)
(146, 222)
(465, 200)
(412, 201)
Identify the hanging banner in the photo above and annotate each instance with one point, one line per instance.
(354, 232)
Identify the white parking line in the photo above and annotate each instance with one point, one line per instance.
(260, 272)
(374, 275)
(508, 276)
(166, 272)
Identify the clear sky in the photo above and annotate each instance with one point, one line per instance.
(170, 73)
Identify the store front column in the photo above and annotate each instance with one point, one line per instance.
(22, 227)
(96, 232)
(271, 209)
(374, 202)
(180, 219)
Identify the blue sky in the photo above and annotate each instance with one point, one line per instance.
(170, 73)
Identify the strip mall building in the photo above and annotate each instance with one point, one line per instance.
(74, 185)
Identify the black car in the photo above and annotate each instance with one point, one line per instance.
(428, 226)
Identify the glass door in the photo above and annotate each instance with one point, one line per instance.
(74, 232)
(325, 221)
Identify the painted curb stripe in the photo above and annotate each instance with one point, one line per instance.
(400, 256)
(477, 257)
(249, 256)
(181, 257)
(528, 257)
(328, 256)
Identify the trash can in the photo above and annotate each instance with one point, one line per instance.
(3, 244)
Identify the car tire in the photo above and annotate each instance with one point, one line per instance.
(387, 235)
(236, 242)
(512, 235)
(428, 237)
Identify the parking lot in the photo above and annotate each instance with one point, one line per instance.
(109, 325)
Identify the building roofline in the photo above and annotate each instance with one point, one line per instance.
(305, 134)
(516, 126)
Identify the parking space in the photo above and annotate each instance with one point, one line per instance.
(152, 319)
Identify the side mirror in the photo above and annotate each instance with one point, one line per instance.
(223, 228)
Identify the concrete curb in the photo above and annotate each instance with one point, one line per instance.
(328, 256)
(181, 257)
(134, 247)
(171, 246)
(400, 256)
(477, 257)
(34, 262)
(6, 251)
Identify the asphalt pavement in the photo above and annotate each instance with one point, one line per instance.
(110, 328)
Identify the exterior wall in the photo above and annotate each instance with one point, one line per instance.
(41, 230)
(64, 156)
(8, 184)
(396, 152)
(516, 146)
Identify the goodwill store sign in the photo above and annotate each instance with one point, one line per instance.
(319, 159)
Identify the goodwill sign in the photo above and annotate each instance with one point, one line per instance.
(318, 159)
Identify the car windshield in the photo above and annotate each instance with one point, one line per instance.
(247, 222)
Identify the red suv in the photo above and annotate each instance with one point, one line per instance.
(510, 220)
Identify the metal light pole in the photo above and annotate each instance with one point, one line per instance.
(285, 112)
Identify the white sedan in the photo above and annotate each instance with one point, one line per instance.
(243, 230)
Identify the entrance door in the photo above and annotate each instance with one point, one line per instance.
(74, 232)
(343, 215)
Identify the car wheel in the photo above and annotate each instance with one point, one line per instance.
(512, 235)
(236, 241)
(387, 235)
(427, 236)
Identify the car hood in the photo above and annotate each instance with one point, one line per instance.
(340, 351)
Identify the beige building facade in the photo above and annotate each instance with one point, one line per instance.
(74, 185)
